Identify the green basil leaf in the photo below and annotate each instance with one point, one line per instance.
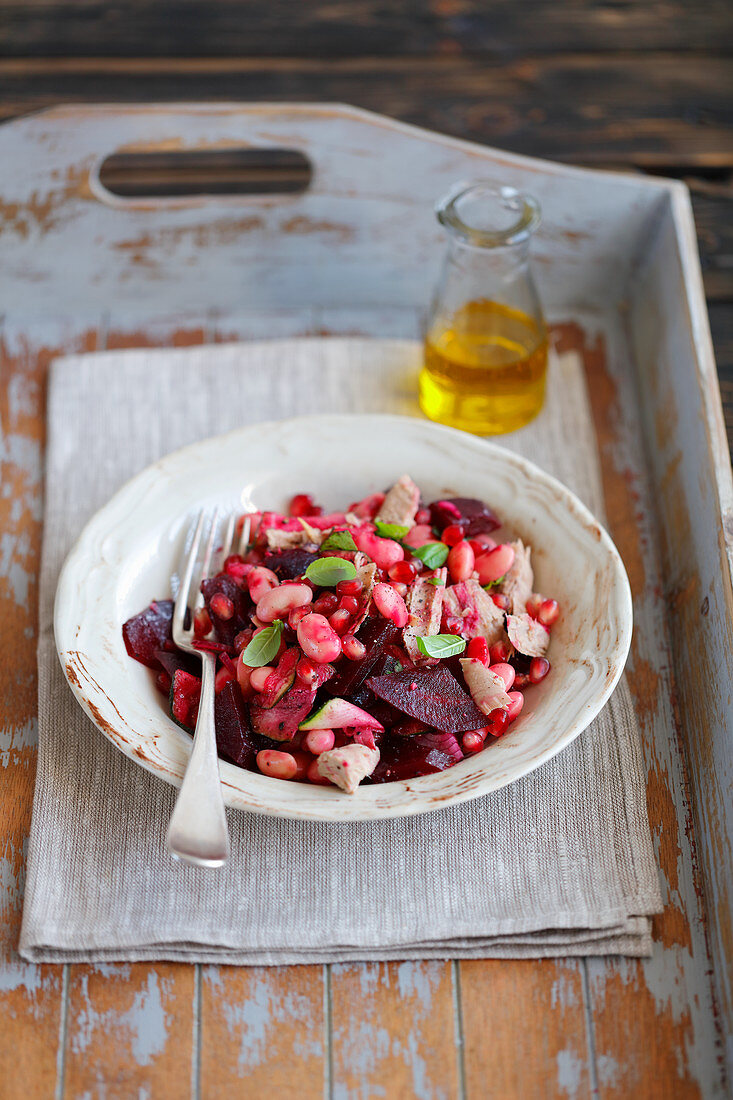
(494, 584)
(432, 554)
(264, 646)
(435, 581)
(326, 572)
(339, 540)
(441, 645)
(391, 530)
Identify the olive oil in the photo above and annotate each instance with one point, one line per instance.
(485, 368)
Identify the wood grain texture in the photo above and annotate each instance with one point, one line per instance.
(524, 1028)
(721, 327)
(322, 29)
(651, 1038)
(393, 1031)
(596, 108)
(130, 1030)
(697, 578)
(264, 1032)
(31, 997)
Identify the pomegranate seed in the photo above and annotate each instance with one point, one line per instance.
(473, 741)
(461, 561)
(297, 614)
(326, 603)
(500, 600)
(350, 604)
(538, 669)
(258, 676)
(163, 682)
(222, 606)
(478, 648)
(201, 623)
(516, 704)
(521, 681)
(352, 647)
(452, 534)
(422, 516)
(318, 639)
(477, 547)
(349, 588)
(498, 721)
(278, 765)
(306, 672)
(499, 652)
(534, 603)
(390, 604)
(303, 505)
(485, 542)
(548, 613)
(401, 571)
(318, 741)
(340, 621)
(453, 626)
(506, 672)
(399, 587)
(494, 564)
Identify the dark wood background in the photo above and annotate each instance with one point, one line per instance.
(645, 85)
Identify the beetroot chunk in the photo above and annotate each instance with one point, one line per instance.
(475, 517)
(281, 722)
(184, 698)
(289, 564)
(234, 739)
(148, 632)
(224, 585)
(433, 696)
(409, 757)
(376, 634)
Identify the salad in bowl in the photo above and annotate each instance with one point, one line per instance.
(129, 550)
(384, 642)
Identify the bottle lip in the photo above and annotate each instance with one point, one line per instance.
(454, 209)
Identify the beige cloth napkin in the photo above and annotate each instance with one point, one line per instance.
(559, 863)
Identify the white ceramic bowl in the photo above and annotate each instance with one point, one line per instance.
(127, 553)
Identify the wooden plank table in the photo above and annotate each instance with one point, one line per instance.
(541, 1028)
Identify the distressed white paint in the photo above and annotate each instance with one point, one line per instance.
(677, 978)
(689, 453)
(254, 1023)
(144, 1025)
(363, 232)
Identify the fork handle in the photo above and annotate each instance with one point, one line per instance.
(198, 832)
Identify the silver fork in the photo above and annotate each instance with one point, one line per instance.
(197, 832)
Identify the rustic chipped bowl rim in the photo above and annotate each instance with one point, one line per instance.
(146, 518)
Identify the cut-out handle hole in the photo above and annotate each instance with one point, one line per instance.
(232, 171)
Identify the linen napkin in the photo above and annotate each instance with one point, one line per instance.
(558, 863)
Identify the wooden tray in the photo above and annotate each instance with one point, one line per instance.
(357, 252)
